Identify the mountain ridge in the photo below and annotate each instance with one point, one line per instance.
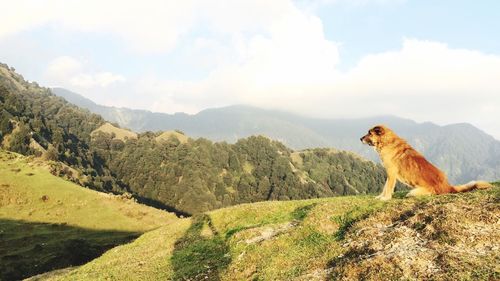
(463, 151)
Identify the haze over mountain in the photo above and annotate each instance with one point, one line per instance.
(463, 151)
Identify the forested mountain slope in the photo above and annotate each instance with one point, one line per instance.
(199, 175)
(35, 122)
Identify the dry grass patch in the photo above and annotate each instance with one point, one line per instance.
(119, 133)
(167, 135)
(454, 237)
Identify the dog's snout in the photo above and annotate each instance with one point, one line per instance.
(361, 139)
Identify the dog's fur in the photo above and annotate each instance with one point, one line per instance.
(405, 164)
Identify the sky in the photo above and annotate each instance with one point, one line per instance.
(427, 60)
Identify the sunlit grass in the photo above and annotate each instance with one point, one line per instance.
(30, 193)
(310, 235)
(48, 223)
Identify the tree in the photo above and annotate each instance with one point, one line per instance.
(20, 140)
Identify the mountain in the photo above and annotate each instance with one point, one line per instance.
(464, 152)
(197, 175)
(224, 124)
(449, 237)
(168, 169)
(48, 223)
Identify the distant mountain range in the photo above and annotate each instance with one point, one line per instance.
(462, 150)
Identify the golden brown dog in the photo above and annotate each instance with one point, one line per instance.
(405, 164)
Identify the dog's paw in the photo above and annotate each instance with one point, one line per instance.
(383, 198)
(417, 192)
(409, 195)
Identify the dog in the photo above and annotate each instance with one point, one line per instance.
(403, 163)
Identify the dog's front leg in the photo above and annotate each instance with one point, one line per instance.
(390, 183)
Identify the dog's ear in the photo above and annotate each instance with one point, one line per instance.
(378, 130)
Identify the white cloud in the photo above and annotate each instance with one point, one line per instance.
(64, 66)
(319, 4)
(289, 58)
(69, 72)
(147, 26)
(361, 2)
(101, 79)
(21, 15)
(426, 67)
(270, 54)
(424, 80)
(423, 77)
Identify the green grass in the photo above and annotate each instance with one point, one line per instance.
(350, 217)
(214, 245)
(301, 213)
(29, 248)
(198, 256)
(48, 223)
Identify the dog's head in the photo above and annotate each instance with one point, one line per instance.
(376, 136)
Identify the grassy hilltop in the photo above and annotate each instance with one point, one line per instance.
(48, 223)
(451, 237)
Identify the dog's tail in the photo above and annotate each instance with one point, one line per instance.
(471, 186)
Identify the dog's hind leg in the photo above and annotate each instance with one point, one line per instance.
(419, 191)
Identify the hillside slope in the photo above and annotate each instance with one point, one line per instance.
(194, 176)
(35, 122)
(450, 237)
(464, 152)
(48, 223)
